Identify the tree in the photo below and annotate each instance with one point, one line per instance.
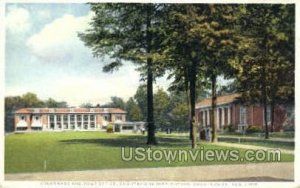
(12, 103)
(218, 39)
(128, 32)
(161, 109)
(30, 100)
(86, 105)
(51, 103)
(116, 102)
(140, 97)
(266, 67)
(180, 115)
(198, 38)
(184, 52)
(133, 110)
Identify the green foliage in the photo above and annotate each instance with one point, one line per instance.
(197, 43)
(86, 105)
(110, 128)
(134, 112)
(266, 59)
(254, 129)
(289, 128)
(180, 114)
(141, 99)
(116, 102)
(129, 32)
(28, 100)
(229, 128)
(161, 105)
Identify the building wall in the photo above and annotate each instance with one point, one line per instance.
(99, 120)
(281, 115)
(254, 116)
(257, 115)
(28, 121)
(44, 119)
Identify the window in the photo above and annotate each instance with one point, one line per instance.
(92, 117)
(118, 117)
(85, 118)
(105, 117)
(127, 127)
(36, 118)
(58, 118)
(72, 118)
(65, 118)
(243, 115)
(92, 125)
(22, 117)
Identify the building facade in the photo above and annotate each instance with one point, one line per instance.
(43, 119)
(230, 111)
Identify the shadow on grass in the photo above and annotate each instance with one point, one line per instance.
(129, 141)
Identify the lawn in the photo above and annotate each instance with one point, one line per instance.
(64, 151)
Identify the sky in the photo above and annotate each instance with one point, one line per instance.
(43, 55)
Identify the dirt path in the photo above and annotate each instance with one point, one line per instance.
(240, 172)
(245, 146)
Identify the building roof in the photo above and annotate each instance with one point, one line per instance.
(225, 99)
(69, 110)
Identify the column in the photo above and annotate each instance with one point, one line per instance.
(89, 122)
(55, 122)
(75, 121)
(228, 115)
(95, 119)
(62, 121)
(82, 120)
(223, 116)
(208, 118)
(69, 126)
(48, 126)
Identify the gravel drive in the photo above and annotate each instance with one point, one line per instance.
(283, 171)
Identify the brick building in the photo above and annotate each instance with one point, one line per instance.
(27, 119)
(230, 111)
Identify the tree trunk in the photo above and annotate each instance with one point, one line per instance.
(150, 119)
(272, 109)
(213, 106)
(193, 102)
(265, 102)
(187, 92)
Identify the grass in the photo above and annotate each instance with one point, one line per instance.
(270, 145)
(65, 151)
(283, 135)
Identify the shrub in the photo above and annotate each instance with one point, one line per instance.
(229, 128)
(254, 129)
(288, 128)
(110, 128)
